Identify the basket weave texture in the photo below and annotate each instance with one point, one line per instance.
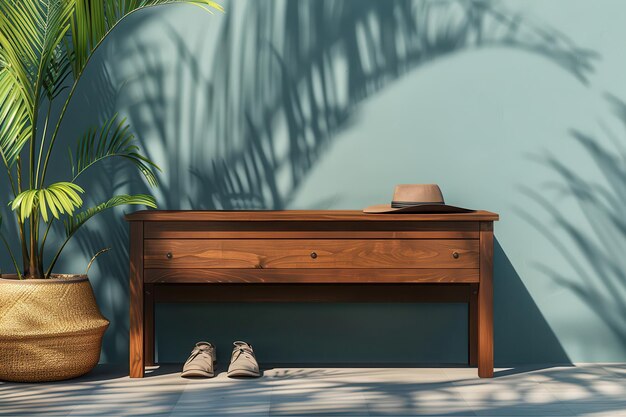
(49, 329)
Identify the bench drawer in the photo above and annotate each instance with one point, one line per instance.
(315, 253)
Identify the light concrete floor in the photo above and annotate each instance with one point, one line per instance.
(589, 390)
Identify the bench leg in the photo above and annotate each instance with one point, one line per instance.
(473, 326)
(148, 324)
(136, 336)
(485, 302)
(136, 333)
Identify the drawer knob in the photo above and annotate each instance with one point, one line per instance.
(455, 255)
(168, 255)
(313, 255)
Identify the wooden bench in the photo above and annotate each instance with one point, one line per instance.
(310, 256)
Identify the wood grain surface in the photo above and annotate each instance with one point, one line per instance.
(311, 230)
(300, 215)
(312, 293)
(136, 335)
(319, 253)
(148, 323)
(472, 325)
(485, 302)
(300, 276)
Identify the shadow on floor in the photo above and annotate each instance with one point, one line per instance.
(336, 391)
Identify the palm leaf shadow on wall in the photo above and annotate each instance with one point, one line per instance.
(279, 92)
(306, 78)
(597, 256)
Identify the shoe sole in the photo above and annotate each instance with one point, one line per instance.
(197, 372)
(243, 372)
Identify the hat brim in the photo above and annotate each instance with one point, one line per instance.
(418, 208)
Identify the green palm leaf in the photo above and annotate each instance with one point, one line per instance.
(58, 198)
(112, 140)
(53, 57)
(92, 21)
(73, 223)
(57, 71)
(21, 40)
(30, 33)
(32, 59)
(14, 118)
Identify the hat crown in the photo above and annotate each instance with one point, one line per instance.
(418, 193)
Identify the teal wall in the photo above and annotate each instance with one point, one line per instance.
(515, 107)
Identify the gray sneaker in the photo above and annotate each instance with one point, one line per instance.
(243, 362)
(201, 361)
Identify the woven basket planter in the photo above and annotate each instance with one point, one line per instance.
(49, 329)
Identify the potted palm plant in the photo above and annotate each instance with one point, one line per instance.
(50, 325)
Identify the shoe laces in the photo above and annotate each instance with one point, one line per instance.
(201, 348)
(241, 348)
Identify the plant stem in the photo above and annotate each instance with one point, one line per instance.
(20, 222)
(34, 258)
(43, 141)
(100, 252)
(33, 126)
(19, 174)
(45, 236)
(39, 253)
(17, 269)
(56, 256)
(9, 174)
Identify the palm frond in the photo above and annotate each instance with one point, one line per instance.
(57, 71)
(32, 59)
(58, 198)
(30, 34)
(54, 60)
(92, 21)
(14, 118)
(112, 140)
(73, 223)
(21, 40)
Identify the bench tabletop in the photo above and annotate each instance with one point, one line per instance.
(300, 215)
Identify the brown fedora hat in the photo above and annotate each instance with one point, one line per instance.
(416, 198)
